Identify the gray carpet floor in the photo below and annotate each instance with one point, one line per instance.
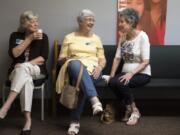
(158, 118)
(148, 125)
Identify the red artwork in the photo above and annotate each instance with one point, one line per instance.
(152, 18)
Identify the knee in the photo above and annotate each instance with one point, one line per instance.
(74, 65)
(116, 83)
(113, 82)
(21, 71)
(19, 68)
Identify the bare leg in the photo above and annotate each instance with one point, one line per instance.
(94, 100)
(7, 104)
(127, 114)
(134, 107)
(27, 124)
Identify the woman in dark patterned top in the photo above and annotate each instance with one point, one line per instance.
(28, 49)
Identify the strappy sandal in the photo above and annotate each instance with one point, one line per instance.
(134, 118)
(107, 117)
(73, 129)
(97, 108)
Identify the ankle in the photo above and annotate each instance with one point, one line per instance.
(97, 108)
(135, 109)
(27, 125)
(3, 113)
(74, 121)
(128, 108)
(94, 100)
(28, 121)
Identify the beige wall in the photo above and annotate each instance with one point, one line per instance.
(57, 18)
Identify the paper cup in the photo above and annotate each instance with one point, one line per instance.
(40, 31)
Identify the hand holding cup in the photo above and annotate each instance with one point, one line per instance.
(38, 35)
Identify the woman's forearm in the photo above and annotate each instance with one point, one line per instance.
(102, 63)
(115, 65)
(140, 67)
(19, 49)
(37, 61)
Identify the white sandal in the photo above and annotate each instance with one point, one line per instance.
(97, 108)
(134, 118)
(73, 128)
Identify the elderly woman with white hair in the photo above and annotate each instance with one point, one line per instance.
(86, 48)
(28, 48)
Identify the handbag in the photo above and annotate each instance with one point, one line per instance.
(69, 96)
(109, 114)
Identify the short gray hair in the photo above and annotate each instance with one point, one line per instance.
(26, 16)
(84, 13)
(130, 15)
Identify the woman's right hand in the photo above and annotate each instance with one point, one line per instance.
(96, 72)
(37, 35)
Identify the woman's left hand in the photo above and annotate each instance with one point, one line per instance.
(126, 78)
(96, 72)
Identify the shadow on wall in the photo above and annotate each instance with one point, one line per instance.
(4, 65)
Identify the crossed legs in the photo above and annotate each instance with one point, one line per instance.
(123, 93)
(21, 83)
(88, 92)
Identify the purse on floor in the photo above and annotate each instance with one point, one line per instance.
(69, 96)
(108, 116)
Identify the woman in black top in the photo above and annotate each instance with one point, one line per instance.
(28, 49)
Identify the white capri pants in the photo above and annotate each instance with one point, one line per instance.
(22, 82)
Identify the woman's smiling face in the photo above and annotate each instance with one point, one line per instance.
(87, 23)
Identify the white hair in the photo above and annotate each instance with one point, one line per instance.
(26, 16)
(84, 13)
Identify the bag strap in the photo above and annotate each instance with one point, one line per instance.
(79, 77)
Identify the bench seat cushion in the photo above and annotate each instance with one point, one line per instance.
(164, 83)
(154, 83)
(156, 89)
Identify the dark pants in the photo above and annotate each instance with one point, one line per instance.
(123, 92)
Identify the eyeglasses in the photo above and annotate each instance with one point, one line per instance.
(89, 19)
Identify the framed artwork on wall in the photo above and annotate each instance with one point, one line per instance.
(152, 15)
